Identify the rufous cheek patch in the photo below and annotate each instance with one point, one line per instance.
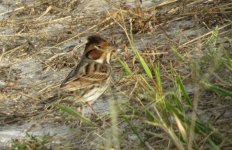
(94, 54)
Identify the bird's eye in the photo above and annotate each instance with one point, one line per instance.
(99, 46)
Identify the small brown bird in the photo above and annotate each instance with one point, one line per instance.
(91, 77)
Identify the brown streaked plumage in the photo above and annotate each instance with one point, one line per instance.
(91, 77)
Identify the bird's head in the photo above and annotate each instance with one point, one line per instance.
(98, 49)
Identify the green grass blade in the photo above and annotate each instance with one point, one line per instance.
(227, 61)
(125, 66)
(218, 89)
(183, 90)
(137, 54)
(177, 102)
(149, 115)
(213, 146)
(144, 65)
(157, 77)
(74, 113)
(175, 50)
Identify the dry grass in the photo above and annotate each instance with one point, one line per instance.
(42, 40)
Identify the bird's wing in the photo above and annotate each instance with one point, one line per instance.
(87, 75)
(72, 74)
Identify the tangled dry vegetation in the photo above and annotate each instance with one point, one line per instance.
(42, 40)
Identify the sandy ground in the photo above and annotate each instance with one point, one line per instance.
(31, 73)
